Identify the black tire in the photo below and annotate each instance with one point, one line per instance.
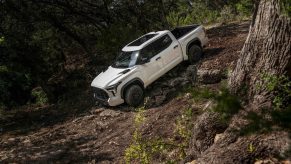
(195, 54)
(134, 95)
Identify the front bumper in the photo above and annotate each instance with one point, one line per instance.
(106, 97)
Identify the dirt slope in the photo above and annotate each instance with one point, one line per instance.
(101, 135)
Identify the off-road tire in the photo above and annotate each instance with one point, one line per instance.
(195, 54)
(134, 95)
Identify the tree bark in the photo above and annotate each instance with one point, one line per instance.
(266, 50)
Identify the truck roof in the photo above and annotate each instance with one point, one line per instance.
(144, 40)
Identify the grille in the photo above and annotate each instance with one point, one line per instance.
(100, 94)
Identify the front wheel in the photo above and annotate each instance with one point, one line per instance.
(134, 95)
(195, 54)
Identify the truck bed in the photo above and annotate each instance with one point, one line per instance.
(182, 31)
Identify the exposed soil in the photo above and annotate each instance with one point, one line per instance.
(100, 135)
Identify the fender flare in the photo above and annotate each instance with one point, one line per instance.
(130, 82)
(195, 41)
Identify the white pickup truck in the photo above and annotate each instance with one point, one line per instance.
(144, 60)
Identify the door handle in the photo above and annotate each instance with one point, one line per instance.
(176, 46)
(158, 58)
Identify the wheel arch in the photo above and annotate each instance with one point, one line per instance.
(137, 81)
(195, 41)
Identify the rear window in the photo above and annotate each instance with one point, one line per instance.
(142, 40)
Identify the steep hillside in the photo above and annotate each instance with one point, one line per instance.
(100, 135)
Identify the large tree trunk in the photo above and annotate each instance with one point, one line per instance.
(266, 50)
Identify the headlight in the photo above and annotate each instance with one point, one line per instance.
(113, 87)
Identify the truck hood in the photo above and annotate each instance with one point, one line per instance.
(109, 77)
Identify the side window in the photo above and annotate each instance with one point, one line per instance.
(156, 47)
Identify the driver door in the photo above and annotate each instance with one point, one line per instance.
(154, 52)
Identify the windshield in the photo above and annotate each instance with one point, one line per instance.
(126, 59)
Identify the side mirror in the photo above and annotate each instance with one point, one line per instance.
(144, 60)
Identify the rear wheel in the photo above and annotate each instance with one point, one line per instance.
(195, 54)
(134, 95)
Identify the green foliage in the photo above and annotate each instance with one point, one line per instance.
(286, 7)
(251, 148)
(224, 102)
(280, 86)
(143, 149)
(175, 20)
(202, 93)
(2, 39)
(267, 121)
(227, 13)
(48, 40)
(110, 43)
(257, 124)
(14, 88)
(280, 115)
(227, 104)
(3, 69)
(198, 13)
(39, 96)
(138, 150)
(201, 12)
(244, 8)
(183, 130)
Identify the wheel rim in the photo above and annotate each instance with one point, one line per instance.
(196, 55)
(137, 95)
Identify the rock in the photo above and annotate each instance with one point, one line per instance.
(218, 137)
(101, 125)
(266, 161)
(109, 113)
(204, 131)
(166, 91)
(149, 102)
(174, 154)
(27, 142)
(11, 139)
(193, 162)
(191, 73)
(157, 91)
(208, 105)
(160, 99)
(97, 111)
(209, 76)
(187, 96)
(265, 146)
(176, 81)
(286, 162)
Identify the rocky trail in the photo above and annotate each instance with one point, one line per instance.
(97, 134)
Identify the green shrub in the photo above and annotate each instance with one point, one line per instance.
(286, 7)
(280, 113)
(226, 104)
(280, 86)
(227, 14)
(183, 130)
(39, 95)
(244, 8)
(199, 13)
(142, 150)
(15, 88)
(201, 93)
(138, 150)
